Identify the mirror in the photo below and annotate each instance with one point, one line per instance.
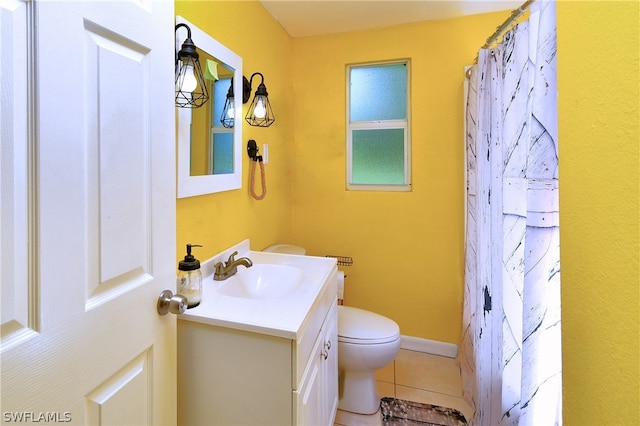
(209, 154)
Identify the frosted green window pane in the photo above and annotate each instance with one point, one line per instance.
(222, 153)
(378, 92)
(378, 157)
(220, 88)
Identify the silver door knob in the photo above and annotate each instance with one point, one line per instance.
(168, 302)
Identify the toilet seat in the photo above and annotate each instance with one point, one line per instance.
(357, 326)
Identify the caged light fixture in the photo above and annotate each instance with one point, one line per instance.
(191, 89)
(229, 110)
(260, 113)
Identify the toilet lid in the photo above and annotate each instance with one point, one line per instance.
(364, 327)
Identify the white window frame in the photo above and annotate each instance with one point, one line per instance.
(379, 125)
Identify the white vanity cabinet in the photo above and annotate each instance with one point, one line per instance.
(234, 376)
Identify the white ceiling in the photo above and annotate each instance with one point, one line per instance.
(302, 18)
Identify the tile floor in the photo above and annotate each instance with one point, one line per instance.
(419, 377)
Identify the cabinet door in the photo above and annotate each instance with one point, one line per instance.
(317, 396)
(330, 366)
(310, 402)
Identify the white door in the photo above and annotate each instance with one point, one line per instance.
(88, 212)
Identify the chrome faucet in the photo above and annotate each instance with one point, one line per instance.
(230, 267)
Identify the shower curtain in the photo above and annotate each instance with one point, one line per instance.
(510, 351)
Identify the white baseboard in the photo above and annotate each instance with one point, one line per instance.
(433, 347)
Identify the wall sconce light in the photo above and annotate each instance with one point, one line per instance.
(191, 89)
(260, 113)
(229, 110)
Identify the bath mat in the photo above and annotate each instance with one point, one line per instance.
(396, 412)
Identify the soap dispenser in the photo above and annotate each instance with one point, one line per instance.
(190, 278)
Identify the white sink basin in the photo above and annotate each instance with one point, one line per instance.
(262, 281)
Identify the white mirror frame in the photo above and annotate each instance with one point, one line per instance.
(189, 186)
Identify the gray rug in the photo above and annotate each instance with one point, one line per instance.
(397, 412)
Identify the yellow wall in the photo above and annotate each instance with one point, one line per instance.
(599, 197)
(390, 234)
(407, 247)
(220, 220)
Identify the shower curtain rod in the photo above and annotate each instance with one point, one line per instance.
(500, 29)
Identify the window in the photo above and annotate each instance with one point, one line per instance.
(221, 137)
(378, 143)
(211, 144)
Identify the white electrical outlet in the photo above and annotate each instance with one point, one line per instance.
(265, 153)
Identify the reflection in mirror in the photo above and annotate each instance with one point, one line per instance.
(209, 154)
(211, 142)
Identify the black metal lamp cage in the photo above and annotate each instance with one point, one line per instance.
(191, 89)
(260, 113)
(228, 112)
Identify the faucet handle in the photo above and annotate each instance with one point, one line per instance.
(232, 257)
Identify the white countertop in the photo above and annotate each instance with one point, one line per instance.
(284, 317)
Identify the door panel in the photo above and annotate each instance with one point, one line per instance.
(118, 400)
(118, 162)
(100, 192)
(15, 309)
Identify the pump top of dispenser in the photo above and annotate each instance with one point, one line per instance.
(189, 263)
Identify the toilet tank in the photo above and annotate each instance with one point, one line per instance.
(286, 249)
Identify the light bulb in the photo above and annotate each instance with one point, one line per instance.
(260, 111)
(231, 112)
(189, 82)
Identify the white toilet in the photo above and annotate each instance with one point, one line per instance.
(366, 342)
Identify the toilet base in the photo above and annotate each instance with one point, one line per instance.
(358, 392)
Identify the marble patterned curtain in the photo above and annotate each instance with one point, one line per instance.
(510, 351)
